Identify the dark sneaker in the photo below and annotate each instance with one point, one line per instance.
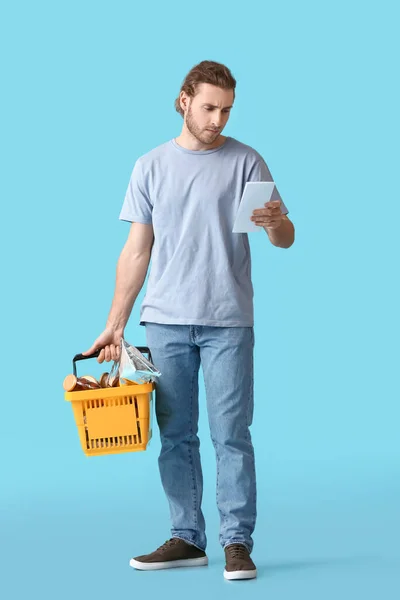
(174, 553)
(238, 563)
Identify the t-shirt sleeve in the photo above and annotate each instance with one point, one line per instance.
(261, 172)
(137, 206)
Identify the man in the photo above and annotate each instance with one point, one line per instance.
(182, 200)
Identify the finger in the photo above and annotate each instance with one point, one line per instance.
(260, 217)
(265, 218)
(118, 351)
(90, 351)
(266, 222)
(271, 214)
(113, 352)
(273, 203)
(100, 358)
(272, 225)
(271, 210)
(107, 354)
(267, 212)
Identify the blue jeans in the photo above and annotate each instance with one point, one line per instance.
(226, 356)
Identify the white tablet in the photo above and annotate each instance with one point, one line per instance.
(255, 195)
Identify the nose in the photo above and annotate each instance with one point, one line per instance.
(217, 121)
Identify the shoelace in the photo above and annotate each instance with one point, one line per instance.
(237, 551)
(168, 544)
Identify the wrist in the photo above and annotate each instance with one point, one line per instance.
(115, 326)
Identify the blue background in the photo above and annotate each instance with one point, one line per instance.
(87, 88)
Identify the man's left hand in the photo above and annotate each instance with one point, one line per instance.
(269, 217)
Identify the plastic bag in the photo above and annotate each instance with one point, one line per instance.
(132, 366)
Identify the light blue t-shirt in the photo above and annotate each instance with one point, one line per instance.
(200, 272)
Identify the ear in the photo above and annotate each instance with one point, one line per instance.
(184, 100)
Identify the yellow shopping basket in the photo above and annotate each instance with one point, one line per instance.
(112, 420)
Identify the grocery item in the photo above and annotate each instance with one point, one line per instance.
(103, 380)
(134, 367)
(74, 383)
(92, 379)
(112, 380)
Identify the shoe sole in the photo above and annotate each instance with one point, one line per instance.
(231, 575)
(171, 564)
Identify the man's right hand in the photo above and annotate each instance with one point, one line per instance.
(110, 344)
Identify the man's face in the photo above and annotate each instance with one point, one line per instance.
(208, 112)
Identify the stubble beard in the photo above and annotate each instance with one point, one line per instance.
(205, 137)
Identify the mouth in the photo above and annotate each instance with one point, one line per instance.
(213, 130)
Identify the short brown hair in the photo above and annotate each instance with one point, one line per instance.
(207, 71)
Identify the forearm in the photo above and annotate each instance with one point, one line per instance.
(282, 236)
(131, 273)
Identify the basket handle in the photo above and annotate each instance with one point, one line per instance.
(142, 349)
